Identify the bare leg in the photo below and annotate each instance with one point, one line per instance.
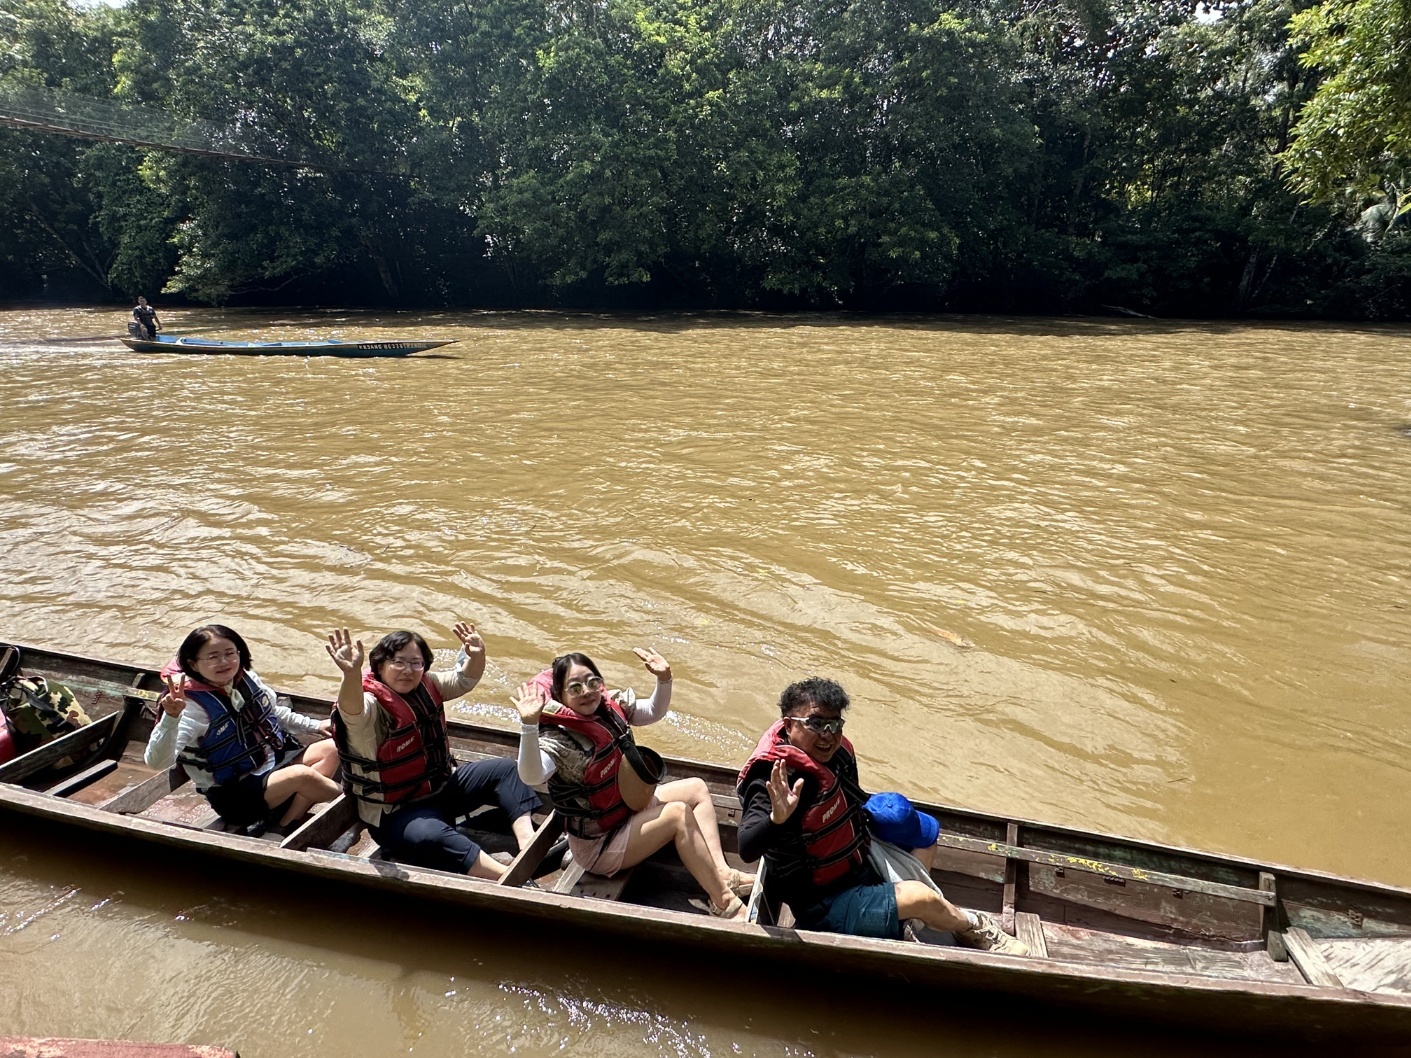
(322, 757)
(653, 827)
(919, 900)
(485, 867)
(523, 829)
(695, 794)
(307, 782)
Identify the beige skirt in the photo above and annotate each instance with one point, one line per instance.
(603, 855)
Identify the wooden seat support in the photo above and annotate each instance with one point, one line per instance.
(87, 777)
(1309, 959)
(320, 829)
(1029, 929)
(577, 882)
(145, 794)
(1271, 924)
(1109, 870)
(522, 867)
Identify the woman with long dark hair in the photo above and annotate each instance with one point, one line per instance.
(576, 742)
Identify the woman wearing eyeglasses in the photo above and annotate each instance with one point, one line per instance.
(575, 740)
(390, 728)
(803, 812)
(234, 738)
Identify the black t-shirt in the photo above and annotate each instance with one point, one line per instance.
(144, 314)
(789, 878)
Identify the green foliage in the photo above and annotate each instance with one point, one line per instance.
(1024, 155)
(52, 239)
(1353, 138)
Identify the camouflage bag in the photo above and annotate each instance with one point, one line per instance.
(39, 710)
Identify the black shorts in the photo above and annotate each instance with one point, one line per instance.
(242, 801)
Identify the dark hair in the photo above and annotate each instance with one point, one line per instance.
(824, 693)
(563, 663)
(388, 646)
(192, 644)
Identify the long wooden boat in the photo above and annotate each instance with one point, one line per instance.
(63, 1047)
(1143, 930)
(313, 347)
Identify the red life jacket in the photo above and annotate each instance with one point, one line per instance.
(413, 762)
(835, 834)
(593, 807)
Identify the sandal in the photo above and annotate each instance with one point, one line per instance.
(729, 911)
(741, 884)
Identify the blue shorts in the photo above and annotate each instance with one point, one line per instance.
(863, 911)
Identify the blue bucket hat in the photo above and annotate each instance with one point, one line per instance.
(895, 819)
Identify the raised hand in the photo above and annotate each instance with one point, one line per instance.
(655, 663)
(174, 700)
(782, 798)
(530, 701)
(346, 652)
(470, 639)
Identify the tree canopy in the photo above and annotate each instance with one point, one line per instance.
(1164, 156)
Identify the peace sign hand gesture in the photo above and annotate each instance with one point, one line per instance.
(346, 652)
(782, 798)
(530, 701)
(174, 700)
(655, 663)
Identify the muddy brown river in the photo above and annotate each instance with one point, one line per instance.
(1149, 578)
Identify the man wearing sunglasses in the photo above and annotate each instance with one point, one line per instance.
(803, 812)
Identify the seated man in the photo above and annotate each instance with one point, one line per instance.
(803, 810)
(145, 316)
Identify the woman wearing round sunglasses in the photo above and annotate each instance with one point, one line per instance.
(574, 741)
(390, 727)
(234, 738)
(803, 811)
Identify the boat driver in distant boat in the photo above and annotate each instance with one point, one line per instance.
(804, 813)
(145, 316)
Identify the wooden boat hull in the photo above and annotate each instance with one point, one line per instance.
(1090, 966)
(323, 347)
(63, 1047)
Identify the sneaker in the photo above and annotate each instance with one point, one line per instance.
(987, 936)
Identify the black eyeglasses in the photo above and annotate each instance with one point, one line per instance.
(818, 725)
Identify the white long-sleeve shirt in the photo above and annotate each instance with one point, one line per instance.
(171, 734)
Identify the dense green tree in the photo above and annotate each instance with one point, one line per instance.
(53, 240)
(299, 82)
(1039, 155)
(1353, 137)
